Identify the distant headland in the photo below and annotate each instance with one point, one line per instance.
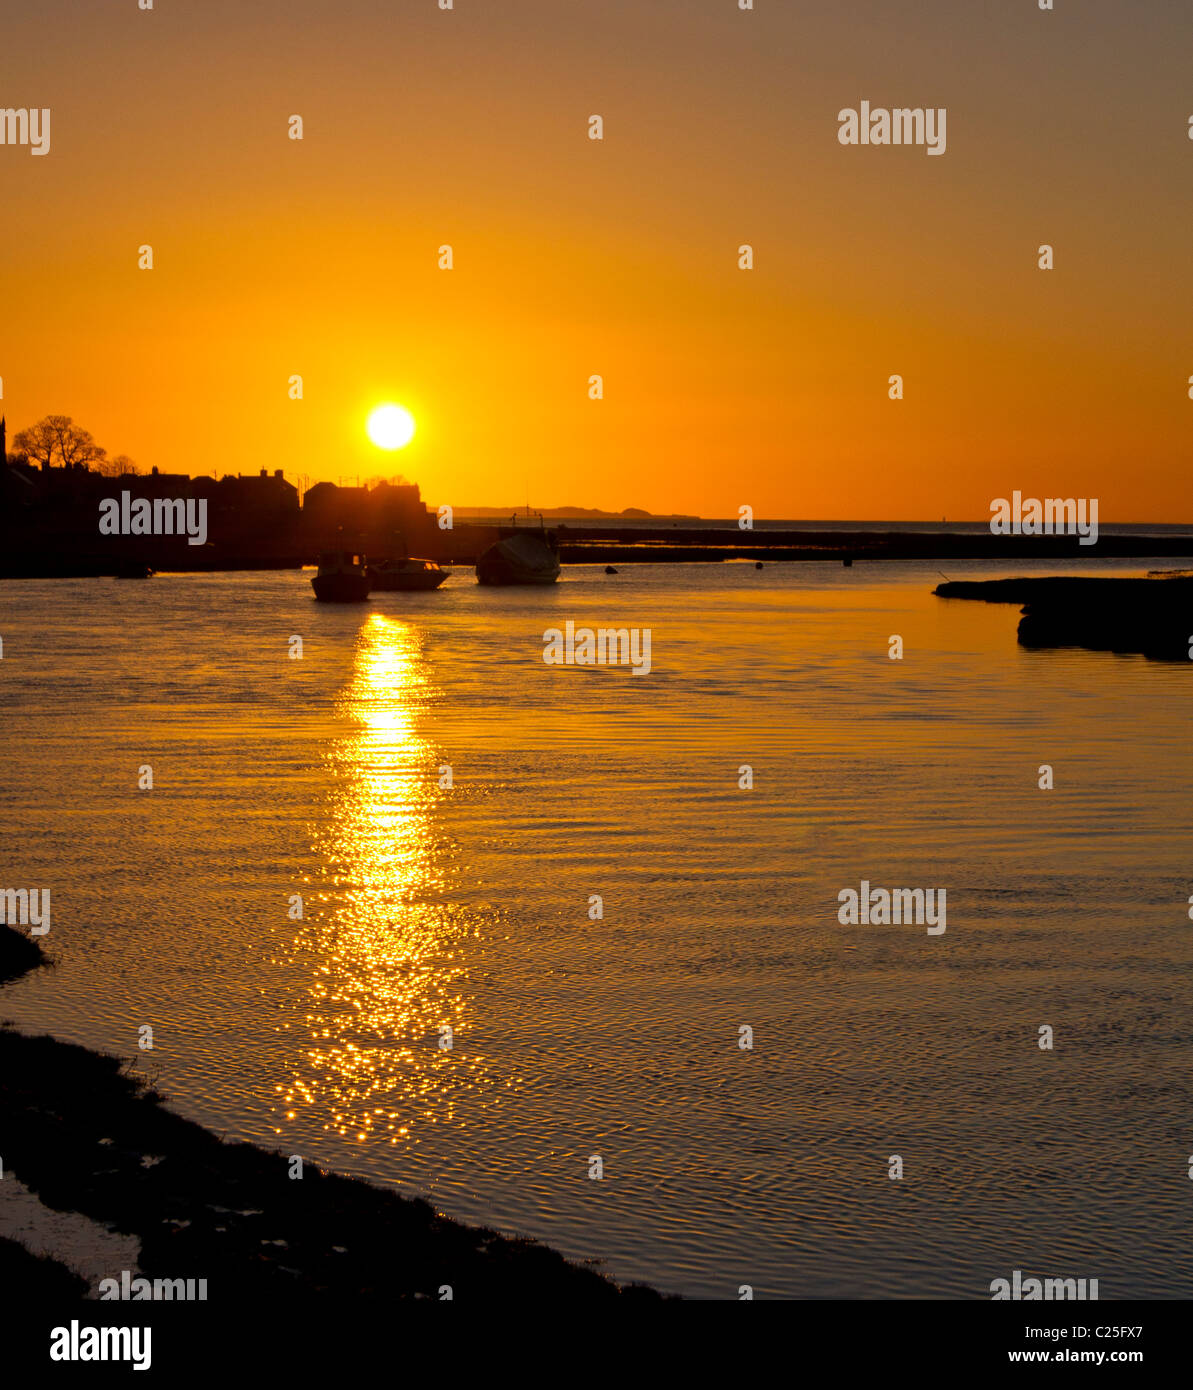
(577, 513)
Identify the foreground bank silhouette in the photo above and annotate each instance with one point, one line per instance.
(78, 1128)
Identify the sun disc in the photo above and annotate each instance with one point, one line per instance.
(391, 427)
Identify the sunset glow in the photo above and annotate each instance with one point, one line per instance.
(594, 689)
(572, 257)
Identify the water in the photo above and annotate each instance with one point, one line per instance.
(469, 907)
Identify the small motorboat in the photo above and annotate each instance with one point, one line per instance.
(132, 569)
(342, 578)
(410, 575)
(526, 557)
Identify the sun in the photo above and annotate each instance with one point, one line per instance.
(391, 427)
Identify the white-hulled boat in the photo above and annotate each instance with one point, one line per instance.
(526, 557)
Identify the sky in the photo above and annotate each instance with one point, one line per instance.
(619, 258)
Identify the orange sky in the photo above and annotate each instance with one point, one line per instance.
(574, 257)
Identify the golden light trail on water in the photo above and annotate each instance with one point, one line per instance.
(389, 953)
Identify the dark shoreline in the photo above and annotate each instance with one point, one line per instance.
(610, 545)
(77, 1125)
(607, 544)
(1151, 617)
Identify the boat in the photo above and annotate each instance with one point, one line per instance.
(526, 557)
(342, 578)
(132, 569)
(410, 575)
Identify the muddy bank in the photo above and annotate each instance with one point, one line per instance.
(18, 953)
(87, 1136)
(1150, 617)
(29, 1276)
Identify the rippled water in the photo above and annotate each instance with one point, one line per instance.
(467, 906)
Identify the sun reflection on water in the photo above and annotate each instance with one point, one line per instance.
(389, 950)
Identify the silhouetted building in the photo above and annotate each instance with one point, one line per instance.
(253, 521)
(260, 492)
(382, 520)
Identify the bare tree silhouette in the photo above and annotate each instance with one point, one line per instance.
(119, 467)
(58, 437)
